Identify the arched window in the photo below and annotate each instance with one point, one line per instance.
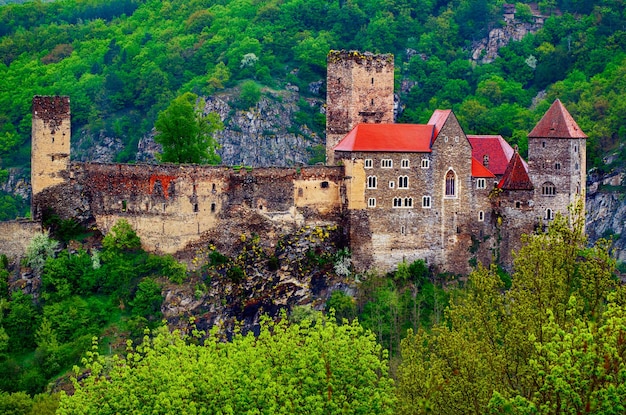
(403, 182)
(397, 202)
(548, 189)
(450, 184)
(549, 214)
(408, 202)
(371, 182)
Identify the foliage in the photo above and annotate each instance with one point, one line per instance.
(121, 238)
(20, 403)
(324, 368)
(531, 348)
(186, 134)
(249, 95)
(148, 299)
(39, 249)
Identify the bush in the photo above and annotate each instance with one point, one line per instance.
(40, 248)
(121, 238)
(249, 96)
(148, 299)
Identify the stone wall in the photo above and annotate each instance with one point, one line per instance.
(15, 236)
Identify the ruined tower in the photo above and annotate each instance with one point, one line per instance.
(50, 156)
(359, 90)
(557, 161)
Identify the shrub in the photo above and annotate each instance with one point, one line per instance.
(40, 248)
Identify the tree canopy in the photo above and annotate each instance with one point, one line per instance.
(186, 134)
(312, 368)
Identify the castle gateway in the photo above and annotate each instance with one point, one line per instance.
(399, 191)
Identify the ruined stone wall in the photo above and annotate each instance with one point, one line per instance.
(51, 134)
(172, 206)
(16, 235)
(359, 90)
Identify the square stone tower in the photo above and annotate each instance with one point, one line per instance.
(557, 162)
(359, 90)
(50, 155)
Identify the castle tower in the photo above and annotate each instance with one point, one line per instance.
(557, 161)
(50, 155)
(359, 90)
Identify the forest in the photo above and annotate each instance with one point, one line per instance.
(548, 338)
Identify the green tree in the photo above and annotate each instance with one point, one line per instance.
(320, 368)
(186, 134)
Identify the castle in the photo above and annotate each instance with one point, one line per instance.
(398, 191)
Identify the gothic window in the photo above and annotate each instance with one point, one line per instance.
(548, 189)
(549, 214)
(486, 160)
(481, 216)
(408, 202)
(371, 182)
(386, 163)
(450, 184)
(425, 163)
(397, 202)
(371, 202)
(481, 183)
(403, 182)
(405, 164)
(369, 163)
(426, 201)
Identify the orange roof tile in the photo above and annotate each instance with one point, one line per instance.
(478, 170)
(438, 119)
(557, 123)
(493, 146)
(414, 138)
(516, 176)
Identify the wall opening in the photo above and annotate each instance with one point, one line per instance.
(324, 185)
(212, 207)
(195, 207)
(123, 206)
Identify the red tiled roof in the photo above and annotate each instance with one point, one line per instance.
(516, 177)
(557, 123)
(494, 146)
(478, 170)
(414, 138)
(438, 119)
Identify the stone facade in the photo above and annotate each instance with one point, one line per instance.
(399, 192)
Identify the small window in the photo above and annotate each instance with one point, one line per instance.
(450, 184)
(481, 216)
(557, 166)
(456, 138)
(408, 202)
(392, 184)
(576, 166)
(402, 229)
(213, 188)
(397, 202)
(371, 202)
(324, 185)
(548, 189)
(481, 183)
(403, 182)
(372, 81)
(425, 163)
(405, 164)
(371, 182)
(163, 207)
(124, 206)
(543, 144)
(372, 102)
(212, 207)
(195, 207)
(549, 214)
(575, 149)
(445, 139)
(486, 160)
(426, 202)
(518, 205)
(386, 163)
(368, 163)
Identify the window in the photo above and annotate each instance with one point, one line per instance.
(212, 207)
(371, 182)
(403, 182)
(386, 163)
(195, 208)
(575, 149)
(518, 204)
(481, 216)
(445, 139)
(124, 206)
(324, 185)
(371, 202)
(405, 164)
(486, 160)
(548, 189)
(425, 163)
(402, 229)
(368, 163)
(397, 202)
(392, 184)
(557, 166)
(576, 166)
(426, 202)
(450, 184)
(549, 214)
(481, 183)
(543, 144)
(408, 202)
